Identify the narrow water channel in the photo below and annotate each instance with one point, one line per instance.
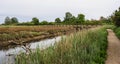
(8, 56)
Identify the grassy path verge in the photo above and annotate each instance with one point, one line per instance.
(113, 51)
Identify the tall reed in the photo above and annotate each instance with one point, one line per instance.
(84, 47)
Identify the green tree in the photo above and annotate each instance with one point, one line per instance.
(35, 21)
(116, 17)
(68, 17)
(73, 20)
(103, 19)
(51, 23)
(57, 20)
(80, 19)
(14, 20)
(44, 22)
(7, 21)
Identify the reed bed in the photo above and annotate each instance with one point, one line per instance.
(8, 33)
(7, 29)
(84, 47)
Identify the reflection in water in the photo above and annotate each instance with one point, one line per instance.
(8, 56)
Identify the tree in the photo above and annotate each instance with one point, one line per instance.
(7, 21)
(119, 8)
(14, 20)
(73, 20)
(116, 17)
(57, 20)
(103, 19)
(80, 18)
(68, 17)
(44, 23)
(51, 23)
(35, 21)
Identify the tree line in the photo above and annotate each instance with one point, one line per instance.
(69, 19)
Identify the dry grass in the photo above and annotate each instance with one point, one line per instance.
(18, 34)
(7, 29)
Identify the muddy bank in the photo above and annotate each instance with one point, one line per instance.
(13, 43)
(49, 34)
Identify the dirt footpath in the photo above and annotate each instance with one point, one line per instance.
(113, 50)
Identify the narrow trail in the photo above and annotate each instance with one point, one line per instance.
(113, 50)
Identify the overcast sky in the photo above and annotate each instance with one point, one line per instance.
(48, 10)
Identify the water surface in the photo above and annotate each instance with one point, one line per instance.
(12, 52)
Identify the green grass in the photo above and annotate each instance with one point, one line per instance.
(84, 47)
(117, 31)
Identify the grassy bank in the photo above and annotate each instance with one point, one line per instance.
(84, 47)
(117, 31)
